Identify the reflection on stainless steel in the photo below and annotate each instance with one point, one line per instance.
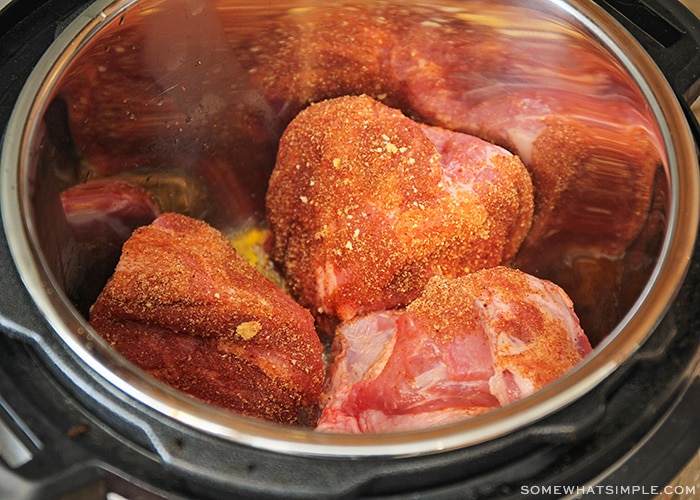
(556, 82)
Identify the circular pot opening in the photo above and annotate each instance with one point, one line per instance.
(195, 120)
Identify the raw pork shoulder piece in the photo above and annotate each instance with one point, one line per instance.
(466, 346)
(186, 308)
(551, 96)
(365, 205)
(106, 211)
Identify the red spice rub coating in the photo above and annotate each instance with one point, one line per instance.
(186, 308)
(465, 347)
(534, 333)
(365, 205)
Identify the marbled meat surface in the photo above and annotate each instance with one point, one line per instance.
(466, 346)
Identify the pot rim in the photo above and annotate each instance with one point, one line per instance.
(91, 349)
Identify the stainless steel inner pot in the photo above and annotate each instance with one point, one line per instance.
(44, 152)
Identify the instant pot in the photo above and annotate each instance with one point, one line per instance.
(79, 421)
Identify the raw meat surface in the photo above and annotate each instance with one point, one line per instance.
(365, 205)
(106, 211)
(573, 116)
(186, 308)
(466, 346)
(524, 79)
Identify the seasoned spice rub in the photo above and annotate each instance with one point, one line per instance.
(465, 347)
(365, 205)
(186, 308)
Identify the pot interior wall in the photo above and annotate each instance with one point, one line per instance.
(189, 102)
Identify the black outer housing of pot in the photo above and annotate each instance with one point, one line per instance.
(84, 438)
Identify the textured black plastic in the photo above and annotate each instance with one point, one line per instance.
(669, 33)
